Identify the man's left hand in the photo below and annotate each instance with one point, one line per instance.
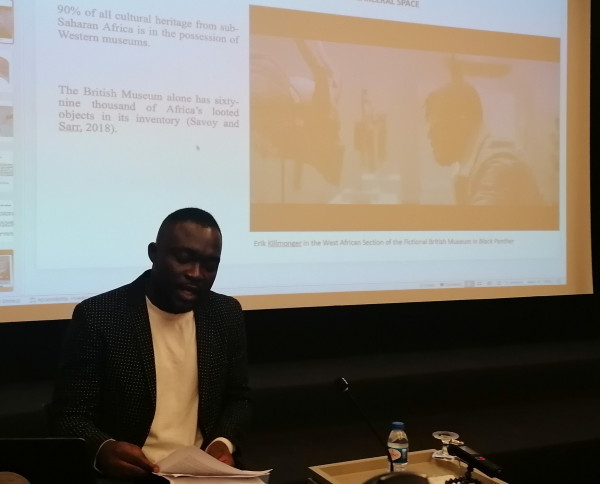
(220, 452)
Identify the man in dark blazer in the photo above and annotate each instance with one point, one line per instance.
(106, 389)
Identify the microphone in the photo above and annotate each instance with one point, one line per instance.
(344, 387)
(474, 460)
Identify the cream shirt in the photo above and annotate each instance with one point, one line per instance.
(175, 421)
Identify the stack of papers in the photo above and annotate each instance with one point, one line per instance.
(189, 465)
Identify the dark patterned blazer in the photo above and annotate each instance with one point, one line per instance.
(106, 384)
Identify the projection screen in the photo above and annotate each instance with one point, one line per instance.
(352, 151)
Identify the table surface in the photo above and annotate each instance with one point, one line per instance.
(420, 462)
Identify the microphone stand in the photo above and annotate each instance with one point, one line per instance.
(344, 387)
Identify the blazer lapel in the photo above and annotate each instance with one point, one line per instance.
(204, 343)
(140, 322)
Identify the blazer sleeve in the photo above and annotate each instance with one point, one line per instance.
(77, 387)
(236, 409)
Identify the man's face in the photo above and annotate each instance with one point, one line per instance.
(185, 259)
(449, 137)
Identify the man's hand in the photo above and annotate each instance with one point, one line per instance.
(122, 459)
(220, 452)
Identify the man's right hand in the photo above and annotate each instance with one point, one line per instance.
(122, 459)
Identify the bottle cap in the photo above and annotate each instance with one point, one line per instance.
(398, 425)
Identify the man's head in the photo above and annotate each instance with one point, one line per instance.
(185, 259)
(455, 116)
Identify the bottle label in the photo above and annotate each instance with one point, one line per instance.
(399, 455)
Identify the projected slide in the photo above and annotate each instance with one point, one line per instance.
(345, 147)
(349, 123)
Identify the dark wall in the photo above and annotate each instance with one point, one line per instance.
(29, 350)
(294, 334)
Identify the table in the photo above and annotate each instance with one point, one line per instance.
(419, 462)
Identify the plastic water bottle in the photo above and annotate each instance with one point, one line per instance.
(398, 446)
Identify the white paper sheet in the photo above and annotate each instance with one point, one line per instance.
(191, 462)
(213, 480)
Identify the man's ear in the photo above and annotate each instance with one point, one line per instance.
(152, 251)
